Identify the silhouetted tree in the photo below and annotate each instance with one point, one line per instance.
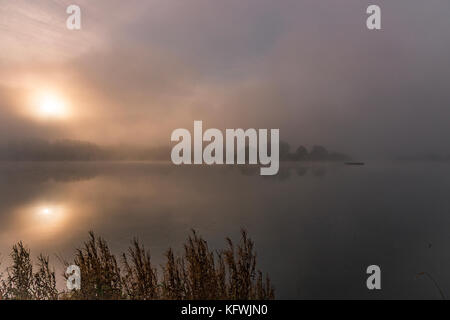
(318, 153)
(300, 154)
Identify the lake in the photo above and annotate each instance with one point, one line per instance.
(316, 226)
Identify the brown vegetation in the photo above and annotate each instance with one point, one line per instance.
(198, 273)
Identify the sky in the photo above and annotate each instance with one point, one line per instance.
(137, 70)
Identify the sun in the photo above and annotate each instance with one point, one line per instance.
(50, 105)
(46, 211)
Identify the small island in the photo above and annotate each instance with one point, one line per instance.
(316, 153)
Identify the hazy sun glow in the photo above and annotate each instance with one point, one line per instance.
(50, 105)
(46, 211)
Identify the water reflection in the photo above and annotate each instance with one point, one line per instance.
(288, 169)
(36, 223)
(48, 213)
(315, 227)
(48, 217)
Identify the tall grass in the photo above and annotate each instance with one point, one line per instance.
(196, 273)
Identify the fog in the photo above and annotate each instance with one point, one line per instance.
(138, 70)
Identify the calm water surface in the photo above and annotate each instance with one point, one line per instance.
(316, 227)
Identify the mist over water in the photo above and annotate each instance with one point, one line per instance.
(316, 226)
(86, 119)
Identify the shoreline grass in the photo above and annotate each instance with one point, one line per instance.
(198, 273)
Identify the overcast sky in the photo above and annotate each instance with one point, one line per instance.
(139, 69)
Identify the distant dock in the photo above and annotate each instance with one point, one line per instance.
(354, 163)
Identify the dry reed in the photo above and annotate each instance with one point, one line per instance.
(197, 273)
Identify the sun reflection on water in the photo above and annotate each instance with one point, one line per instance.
(43, 219)
(50, 215)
